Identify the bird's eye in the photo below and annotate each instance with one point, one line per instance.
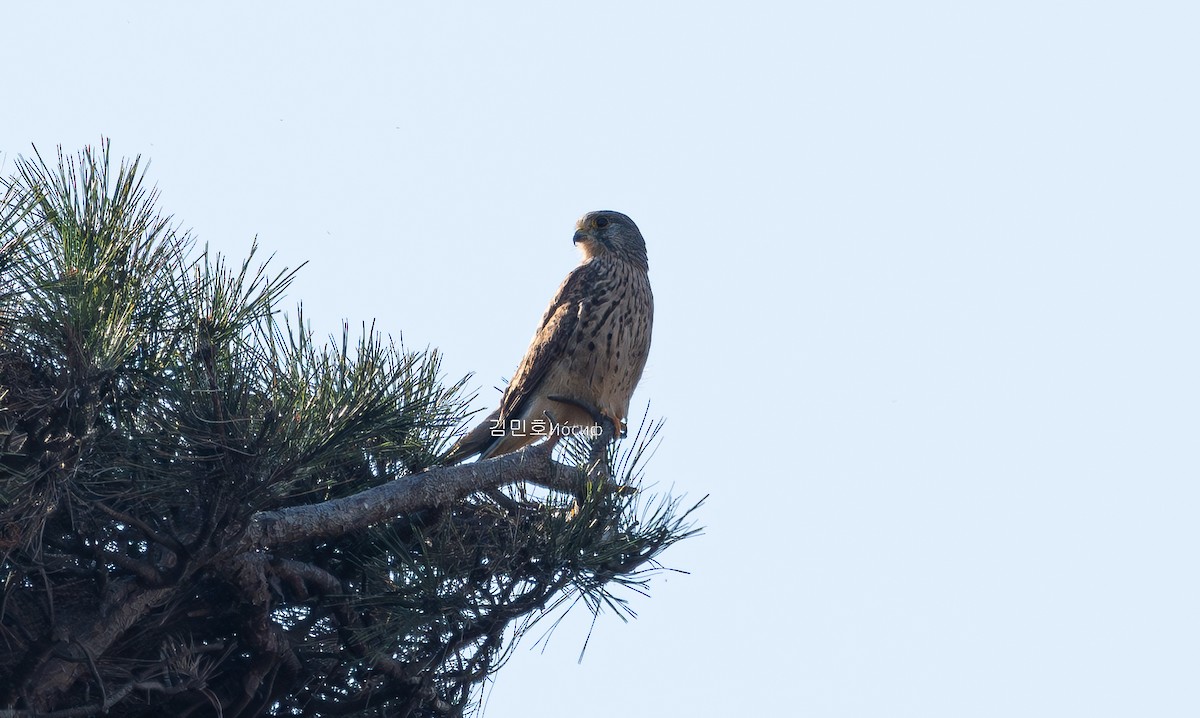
(601, 222)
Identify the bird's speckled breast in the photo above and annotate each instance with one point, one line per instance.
(613, 336)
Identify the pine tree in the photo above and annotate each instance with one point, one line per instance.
(206, 511)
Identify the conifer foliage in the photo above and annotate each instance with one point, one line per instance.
(206, 511)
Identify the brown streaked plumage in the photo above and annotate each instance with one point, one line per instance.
(591, 346)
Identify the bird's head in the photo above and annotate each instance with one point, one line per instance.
(610, 233)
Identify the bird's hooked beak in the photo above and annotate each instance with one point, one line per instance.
(580, 235)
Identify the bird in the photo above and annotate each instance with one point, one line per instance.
(588, 353)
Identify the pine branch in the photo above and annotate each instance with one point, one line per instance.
(440, 486)
(205, 510)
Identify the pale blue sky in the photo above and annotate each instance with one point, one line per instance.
(926, 282)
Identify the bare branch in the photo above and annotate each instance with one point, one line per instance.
(439, 486)
(125, 605)
(106, 701)
(161, 539)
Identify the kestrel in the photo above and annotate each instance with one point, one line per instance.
(588, 353)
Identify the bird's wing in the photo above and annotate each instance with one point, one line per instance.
(551, 341)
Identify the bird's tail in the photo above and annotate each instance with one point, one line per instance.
(478, 441)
